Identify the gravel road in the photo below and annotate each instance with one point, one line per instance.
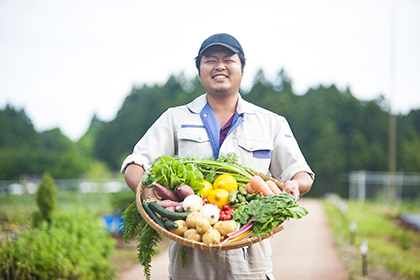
(304, 250)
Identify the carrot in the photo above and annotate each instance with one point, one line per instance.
(259, 185)
(249, 189)
(274, 188)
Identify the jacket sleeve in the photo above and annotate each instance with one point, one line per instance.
(157, 141)
(287, 158)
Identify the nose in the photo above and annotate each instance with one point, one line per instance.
(220, 65)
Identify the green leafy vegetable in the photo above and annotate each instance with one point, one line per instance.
(131, 222)
(269, 211)
(228, 164)
(147, 238)
(183, 252)
(173, 171)
(147, 241)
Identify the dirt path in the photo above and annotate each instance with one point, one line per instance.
(303, 250)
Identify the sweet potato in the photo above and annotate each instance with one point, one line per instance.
(165, 193)
(183, 191)
(167, 203)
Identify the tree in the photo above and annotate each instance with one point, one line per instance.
(46, 199)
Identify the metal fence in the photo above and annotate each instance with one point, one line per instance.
(383, 186)
(19, 187)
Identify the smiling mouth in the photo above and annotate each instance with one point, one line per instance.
(220, 77)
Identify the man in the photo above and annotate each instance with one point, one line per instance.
(214, 124)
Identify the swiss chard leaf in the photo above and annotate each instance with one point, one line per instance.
(269, 211)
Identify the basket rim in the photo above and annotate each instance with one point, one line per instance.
(195, 244)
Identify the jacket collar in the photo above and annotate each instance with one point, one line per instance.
(243, 107)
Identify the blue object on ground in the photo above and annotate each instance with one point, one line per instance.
(412, 219)
(112, 223)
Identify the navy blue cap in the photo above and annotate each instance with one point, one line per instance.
(221, 39)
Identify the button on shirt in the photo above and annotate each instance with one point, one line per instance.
(262, 140)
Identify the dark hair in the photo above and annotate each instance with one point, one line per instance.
(198, 61)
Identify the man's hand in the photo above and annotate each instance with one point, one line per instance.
(300, 184)
(292, 187)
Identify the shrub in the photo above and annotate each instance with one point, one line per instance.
(46, 199)
(73, 246)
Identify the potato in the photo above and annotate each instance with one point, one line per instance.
(217, 225)
(182, 228)
(227, 227)
(212, 236)
(192, 234)
(203, 225)
(192, 219)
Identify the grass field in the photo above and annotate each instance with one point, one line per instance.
(17, 210)
(394, 248)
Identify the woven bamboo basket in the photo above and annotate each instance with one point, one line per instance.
(202, 245)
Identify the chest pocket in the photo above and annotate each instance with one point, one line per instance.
(257, 153)
(193, 141)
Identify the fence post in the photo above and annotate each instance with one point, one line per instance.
(364, 250)
(353, 228)
(361, 185)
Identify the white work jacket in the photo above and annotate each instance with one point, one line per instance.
(263, 141)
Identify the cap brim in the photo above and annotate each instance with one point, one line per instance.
(235, 50)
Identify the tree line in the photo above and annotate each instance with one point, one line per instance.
(336, 132)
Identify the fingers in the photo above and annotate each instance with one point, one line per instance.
(292, 188)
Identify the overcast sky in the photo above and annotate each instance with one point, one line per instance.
(64, 61)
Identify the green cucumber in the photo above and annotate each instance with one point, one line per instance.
(168, 214)
(170, 224)
(152, 214)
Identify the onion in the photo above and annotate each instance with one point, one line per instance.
(192, 203)
(210, 212)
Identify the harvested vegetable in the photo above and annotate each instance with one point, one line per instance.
(226, 182)
(211, 236)
(203, 225)
(192, 234)
(269, 211)
(182, 228)
(210, 212)
(249, 189)
(165, 193)
(259, 185)
(192, 203)
(226, 227)
(173, 171)
(219, 197)
(192, 219)
(274, 188)
(208, 187)
(182, 191)
(167, 203)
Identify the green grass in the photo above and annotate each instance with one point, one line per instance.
(17, 210)
(391, 246)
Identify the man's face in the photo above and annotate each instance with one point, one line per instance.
(220, 71)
